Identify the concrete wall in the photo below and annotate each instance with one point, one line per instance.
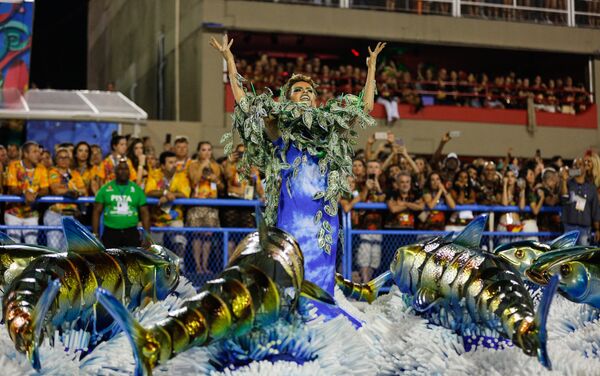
(123, 48)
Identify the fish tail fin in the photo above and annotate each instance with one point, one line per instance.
(37, 322)
(362, 291)
(541, 318)
(311, 291)
(138, 336)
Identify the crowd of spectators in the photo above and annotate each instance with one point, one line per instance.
(508, 10)
(384, 171)
(426, 86)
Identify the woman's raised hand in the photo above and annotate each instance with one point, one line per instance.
(224, 47)
(372, 59)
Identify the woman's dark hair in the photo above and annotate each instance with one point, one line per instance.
(131, 152)
(428, 180)
(115, 140)
(88, 161)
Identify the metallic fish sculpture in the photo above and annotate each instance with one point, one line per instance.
(522, 253)
(578, 269)
(466, 287)
(56, 290)
(262, 282)
(15, 257)
(369, 291)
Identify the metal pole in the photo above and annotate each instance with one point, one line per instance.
(348, 248)
(225, 248)
(177, 38)
(571, 13)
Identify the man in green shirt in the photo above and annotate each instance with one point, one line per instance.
(123, 203)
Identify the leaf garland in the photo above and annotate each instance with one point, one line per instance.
(325, 131)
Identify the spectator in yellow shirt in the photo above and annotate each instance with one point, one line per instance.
(67, 183)
(182, 152)
(167, 186)
(106, 172)
(27, 178)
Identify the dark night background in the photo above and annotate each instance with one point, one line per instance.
(59, 47)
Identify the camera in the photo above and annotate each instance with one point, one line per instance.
(371, 176)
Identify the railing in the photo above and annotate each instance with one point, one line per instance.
(225, 238)
(572, 13)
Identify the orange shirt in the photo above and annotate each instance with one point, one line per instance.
(71, 179)
(24, 179)
(106, 170)
(163, 215)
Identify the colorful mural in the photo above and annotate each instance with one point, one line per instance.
(16, 27)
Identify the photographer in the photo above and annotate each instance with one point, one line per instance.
(580, 203)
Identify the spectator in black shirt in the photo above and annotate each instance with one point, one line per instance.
(580, 203)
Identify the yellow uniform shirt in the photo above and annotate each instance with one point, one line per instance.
(71, 179)
(106, 170)
(165, 214)
(24, 179)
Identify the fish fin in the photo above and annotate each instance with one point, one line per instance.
(146, 236)
(376, 284)
(37, 321)
(470, 237)
(311, 291)
(566, 240)
(79, 238)
(6, 240)
(134, 332)
(541, 318)
(448, 237)
(424, 299)
(261, 225)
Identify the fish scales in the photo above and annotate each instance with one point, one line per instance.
(264, 279)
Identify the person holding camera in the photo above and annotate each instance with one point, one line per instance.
(368, 256)
(580, 210)
(67, 183)
(206, 182)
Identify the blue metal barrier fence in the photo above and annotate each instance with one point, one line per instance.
(225, 238)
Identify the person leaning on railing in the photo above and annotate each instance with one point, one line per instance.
(123, 204)
(579, 200)
(64, 182)
(434, 194)
(27, 178)
(167, 186)
(206, 182)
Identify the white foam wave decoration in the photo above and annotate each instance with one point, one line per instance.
(393, 340)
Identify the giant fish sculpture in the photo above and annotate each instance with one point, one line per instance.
(262, 282)
(465, 287)
(15, 257)
(56, 290)
(521, 254)
(578, 269)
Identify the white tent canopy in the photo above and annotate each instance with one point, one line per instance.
(76, 105)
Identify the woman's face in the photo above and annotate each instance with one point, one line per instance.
(303, 92)
(530, 177)
(82, 153)
(138, 149)
(351, 183)
(420, 164)
(46, 159)
(393, 171)
(358, 168)
(510, 177)
(463, 177)
(205, 152)
(63, 159)
(435, 182)
(472, 173)
(96, 156)
(403, 164)
(587, 163)
(152, 161)
(121, 147)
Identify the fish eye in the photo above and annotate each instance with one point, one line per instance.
(519, 253)
(565, 270)
(168, 271)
